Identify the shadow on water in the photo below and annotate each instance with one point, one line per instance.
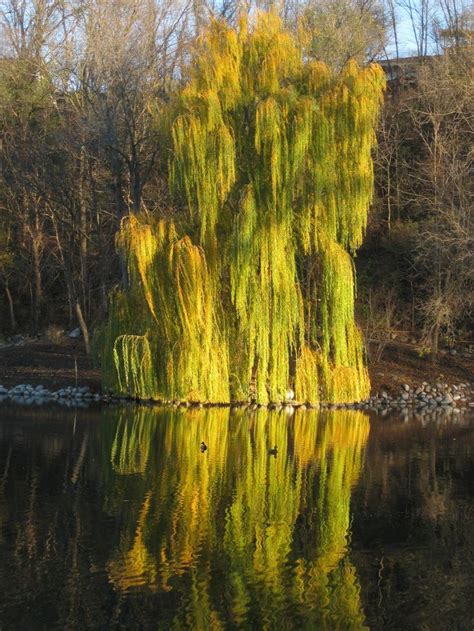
(115, 517)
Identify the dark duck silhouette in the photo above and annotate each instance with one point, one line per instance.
(203, 446)
(273, 452)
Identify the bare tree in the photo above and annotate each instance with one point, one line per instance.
(392, 24)
(420, 14)
(455, 26)
(440, 188)
(339, 30)
(129, 57)
(81, 84)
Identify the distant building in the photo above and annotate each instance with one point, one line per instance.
(401, 70)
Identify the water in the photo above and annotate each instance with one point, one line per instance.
(113, 518)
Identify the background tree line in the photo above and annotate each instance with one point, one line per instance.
(84, 85)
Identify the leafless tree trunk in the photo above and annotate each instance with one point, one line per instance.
(10, 307)
(74, 298)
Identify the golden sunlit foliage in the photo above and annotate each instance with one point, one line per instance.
(240, 506)
(271, 155)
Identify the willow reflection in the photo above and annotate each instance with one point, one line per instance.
(237, 532)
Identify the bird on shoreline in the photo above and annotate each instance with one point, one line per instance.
(203, 446)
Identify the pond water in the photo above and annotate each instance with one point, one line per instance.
(113, 518)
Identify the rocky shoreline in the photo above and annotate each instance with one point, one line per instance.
(27, 394)
(426, 398)
(43, 370)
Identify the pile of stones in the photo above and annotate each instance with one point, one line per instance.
(26, 394)
(424, 397)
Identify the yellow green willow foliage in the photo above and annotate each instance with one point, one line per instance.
(251, 290)
(235, 535)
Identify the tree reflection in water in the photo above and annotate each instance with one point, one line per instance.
(235, 535)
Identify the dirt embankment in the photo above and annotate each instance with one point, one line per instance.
(401, 363)
(59, 364)
(51, 364)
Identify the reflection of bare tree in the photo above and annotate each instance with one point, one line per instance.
(43, 531)
(415, 525)
(3, 480)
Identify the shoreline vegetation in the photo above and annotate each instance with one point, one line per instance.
(40, 370)
(254, 215)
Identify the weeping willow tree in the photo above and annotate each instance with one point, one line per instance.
(250, 290)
